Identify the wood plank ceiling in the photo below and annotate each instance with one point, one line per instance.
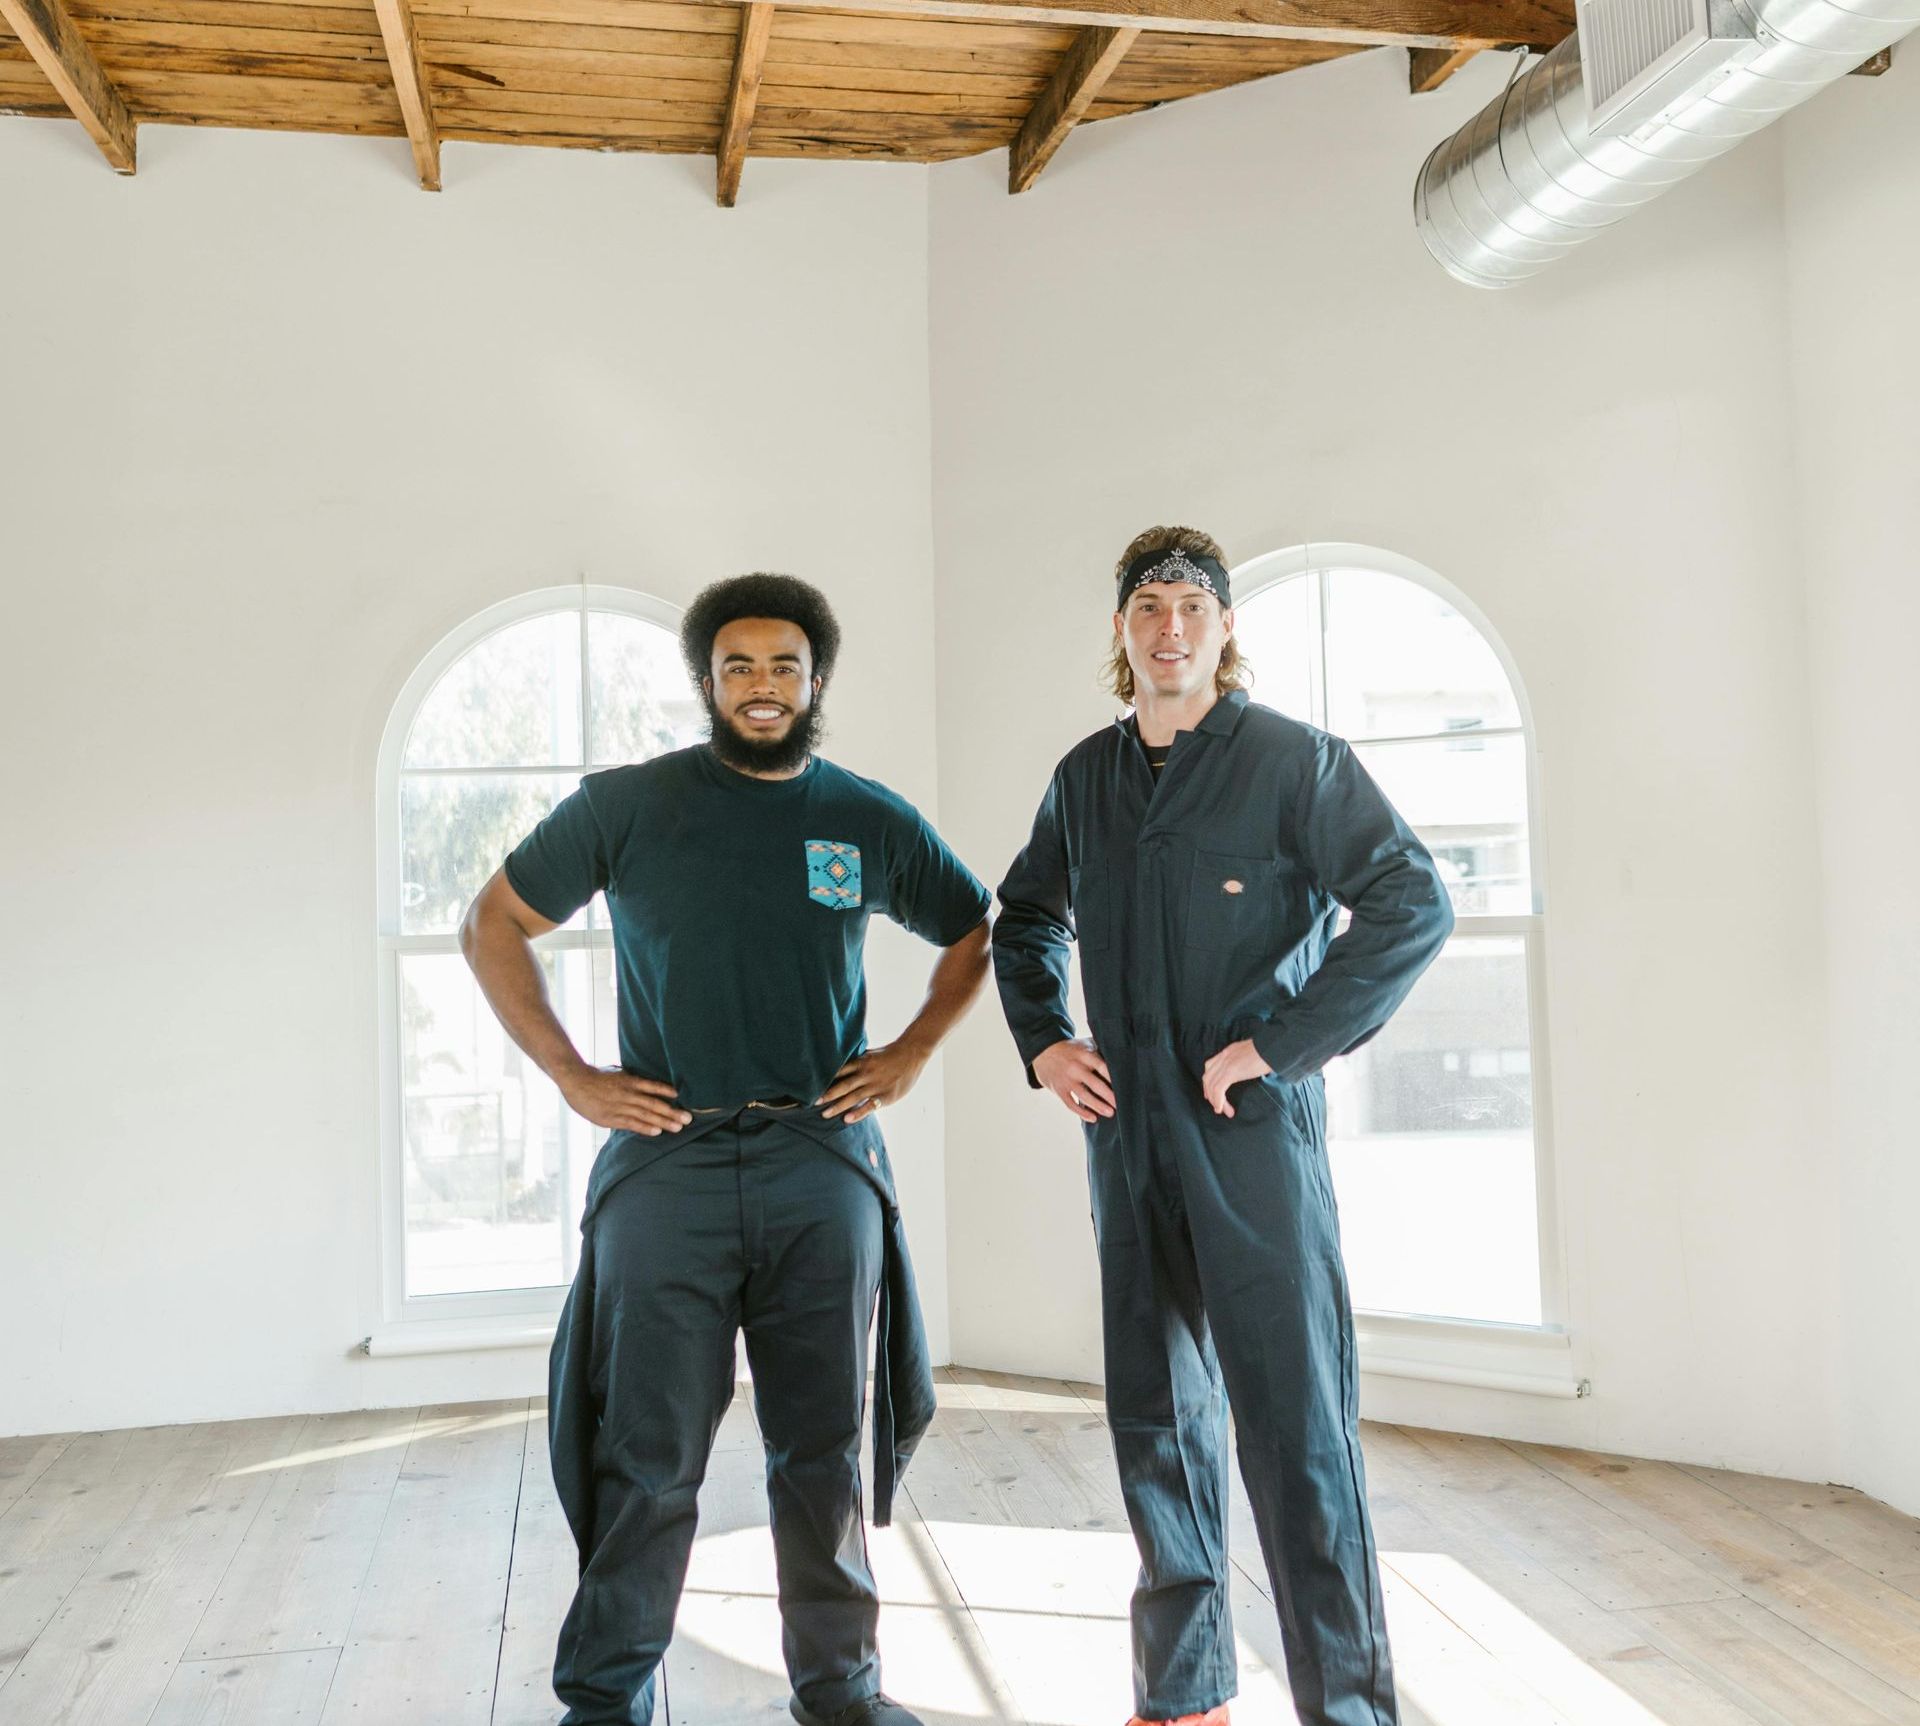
(909, 80)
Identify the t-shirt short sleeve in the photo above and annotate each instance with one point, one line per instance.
(563, 862)
(930, 891)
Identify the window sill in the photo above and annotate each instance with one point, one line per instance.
(1525, 1360)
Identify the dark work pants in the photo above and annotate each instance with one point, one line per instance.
(752, 1227)
(1220, 1269)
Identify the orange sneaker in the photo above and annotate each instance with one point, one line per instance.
(1212, 1717)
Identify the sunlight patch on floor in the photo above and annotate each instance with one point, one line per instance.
(440, 1426)
(1561, 1684)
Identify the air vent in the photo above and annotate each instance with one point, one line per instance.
(1642, 58)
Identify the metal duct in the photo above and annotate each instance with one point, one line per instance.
(1527, 180)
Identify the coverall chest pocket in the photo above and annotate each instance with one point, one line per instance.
(1232, 900)
(1087, 891)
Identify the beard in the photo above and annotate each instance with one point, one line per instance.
(764, 754)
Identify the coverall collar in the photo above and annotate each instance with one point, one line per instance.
(1222, 717)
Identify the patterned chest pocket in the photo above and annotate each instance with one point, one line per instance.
(833, 874)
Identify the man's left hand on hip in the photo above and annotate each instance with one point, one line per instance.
(870, 1081)
(1235, 1064)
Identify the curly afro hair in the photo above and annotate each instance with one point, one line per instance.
(786, 597)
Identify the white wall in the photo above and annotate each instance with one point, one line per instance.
(1854, 257)
(1220, 314)
(273, 421)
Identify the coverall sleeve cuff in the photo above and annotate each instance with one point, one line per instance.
(1271, 1043)
(1032, 1048)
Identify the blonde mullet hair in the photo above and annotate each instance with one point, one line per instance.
(1234, 671)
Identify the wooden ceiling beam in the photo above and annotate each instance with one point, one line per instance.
(61, 52)
(410, 87)
(1429, 68)
(1062, 104)
(756, 26)
(1363, 23)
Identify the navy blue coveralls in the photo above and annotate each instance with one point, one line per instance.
(739, 910)
(1205, 906)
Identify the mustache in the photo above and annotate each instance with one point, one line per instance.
(755, 754)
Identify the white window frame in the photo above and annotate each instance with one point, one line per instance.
(503, 1317)
(1514, 1357)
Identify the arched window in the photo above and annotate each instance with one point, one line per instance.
(1436, 1128)
(485, 1167)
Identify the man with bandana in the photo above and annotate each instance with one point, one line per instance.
(745, 1187)
(1201, 850)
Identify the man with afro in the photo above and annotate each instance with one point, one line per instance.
(746, 1186)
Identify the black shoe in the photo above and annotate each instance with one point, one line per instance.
(875, 1710)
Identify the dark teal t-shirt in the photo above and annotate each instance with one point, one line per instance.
(740, 910)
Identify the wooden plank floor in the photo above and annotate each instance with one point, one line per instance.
(409, 1568)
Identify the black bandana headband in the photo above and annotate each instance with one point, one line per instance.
(1198, 568)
